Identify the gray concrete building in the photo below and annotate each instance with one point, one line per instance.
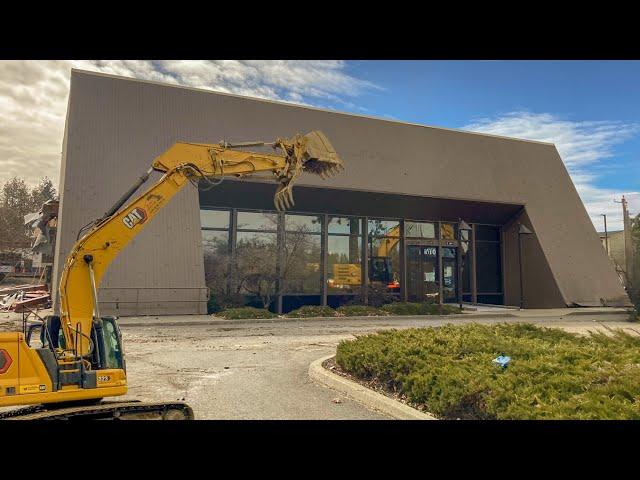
(386, 228)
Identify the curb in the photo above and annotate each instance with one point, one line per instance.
(463, 316)
(617, 312)
(364, 395)
(219, 321)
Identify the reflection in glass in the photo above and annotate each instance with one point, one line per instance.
(384, 264)
(344, 225)
(216, 260)
(381, 228)
(256, 264)
(344, 267)
(380, 247)
(449, 252)
(214, 218)
(449, 275)
(301, 267)
(257, 221)
(488, 267)
(487, 233)
(419, 229)
(430, 274)
(448, 231)
(303, 223)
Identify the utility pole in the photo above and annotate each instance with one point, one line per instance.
(628, 247)
(606, 234)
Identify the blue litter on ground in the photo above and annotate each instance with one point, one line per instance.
(502, 360)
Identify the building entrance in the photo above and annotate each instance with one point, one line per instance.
(423, 276)
(426, 271)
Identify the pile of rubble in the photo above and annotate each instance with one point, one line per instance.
(22, 298)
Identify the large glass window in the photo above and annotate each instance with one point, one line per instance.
(303, 223)
(488, 267)
(384, 255)
(419, 230)
(448, 231)
(344, 225)
(487, 233)
(344, 260)
(256, 260)
(256, 274)
(382, 228)
(218, 219)
(216, 260)
(488, 264)
(257, 221)
(215, 244)
(302, 269)
(281, 255)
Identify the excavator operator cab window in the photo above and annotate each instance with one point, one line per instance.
(379, 269)
(36, 340)
(112, 343)
(37, 336)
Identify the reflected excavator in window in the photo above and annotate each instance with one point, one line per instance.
(349, 275)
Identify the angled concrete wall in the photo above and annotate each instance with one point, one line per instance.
(116, 126)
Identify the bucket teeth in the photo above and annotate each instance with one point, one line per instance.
(283, 199)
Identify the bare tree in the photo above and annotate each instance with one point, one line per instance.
(256, 259)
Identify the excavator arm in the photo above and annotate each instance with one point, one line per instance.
(181, 164)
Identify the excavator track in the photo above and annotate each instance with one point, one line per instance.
(134, 410)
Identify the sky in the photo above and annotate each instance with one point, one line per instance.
(589, 109)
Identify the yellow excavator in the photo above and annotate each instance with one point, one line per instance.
(349, 275)
(79, 359)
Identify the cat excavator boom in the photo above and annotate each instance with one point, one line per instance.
(81, 359)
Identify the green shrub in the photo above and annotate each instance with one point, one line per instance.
(312, 311)
(245, 312)
(222, 301)
(360, 311)
(213, 306)
(407, 308)
(553, 374)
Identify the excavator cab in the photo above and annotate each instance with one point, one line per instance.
(106, 347)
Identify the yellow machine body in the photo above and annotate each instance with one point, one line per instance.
(81, 356)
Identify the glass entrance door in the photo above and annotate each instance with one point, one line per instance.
(423, 274)
(449, 275)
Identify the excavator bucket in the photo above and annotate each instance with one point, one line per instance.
(312, 153)
(319, 156)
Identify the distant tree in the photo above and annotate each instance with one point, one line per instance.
(16, 201)
(42, 193)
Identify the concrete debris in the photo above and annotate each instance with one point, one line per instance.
(23, 298)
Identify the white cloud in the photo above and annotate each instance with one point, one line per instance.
(586, 147)
(33, 97)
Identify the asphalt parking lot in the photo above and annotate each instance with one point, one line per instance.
(258, 369)
(250, 370)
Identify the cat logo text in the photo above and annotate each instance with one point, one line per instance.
(134, 217)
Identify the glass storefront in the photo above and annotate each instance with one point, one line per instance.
(284, 260)
(384, 257)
